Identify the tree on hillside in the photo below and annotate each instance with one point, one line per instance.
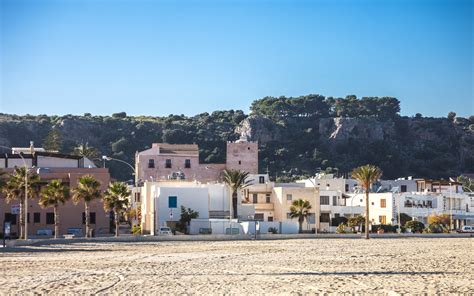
(366, 175)
(53, 141)
(85, 150)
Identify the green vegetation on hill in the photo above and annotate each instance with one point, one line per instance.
(297, 136)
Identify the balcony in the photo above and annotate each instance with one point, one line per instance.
(263, 206)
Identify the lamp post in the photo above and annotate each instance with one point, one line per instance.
(105, 157)
(26, 191)
(318, 206)
(396, 191)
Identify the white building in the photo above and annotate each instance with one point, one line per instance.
(161, 202)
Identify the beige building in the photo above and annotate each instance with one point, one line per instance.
(181, 162)
(68, 168)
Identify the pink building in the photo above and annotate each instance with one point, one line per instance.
(181, 161)
(68, 168)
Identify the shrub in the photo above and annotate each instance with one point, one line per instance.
(385, 228)
(273, 230)
(136, 229)
(338, 221)
(415, 226)
(442, 219)
(435, 228)
(341, 228)
(356, 221)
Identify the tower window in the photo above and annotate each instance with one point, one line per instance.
(240, 162)
(151, 163)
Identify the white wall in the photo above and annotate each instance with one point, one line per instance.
(56, 162)
(196, 198)
(219, 197)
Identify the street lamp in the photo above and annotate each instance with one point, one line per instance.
(108, 158)
(318, 206)
(26, 191)
(395, 190)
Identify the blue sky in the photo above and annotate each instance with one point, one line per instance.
(187, 57)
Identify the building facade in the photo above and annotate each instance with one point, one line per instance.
(181, 161)
(68, 168)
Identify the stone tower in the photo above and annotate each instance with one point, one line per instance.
(242, 155)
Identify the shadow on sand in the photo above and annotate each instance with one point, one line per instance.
(49, 250)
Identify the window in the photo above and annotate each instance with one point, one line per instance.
(347, 187)
(270, 219)
(311, 218)
(334, 200)
(137, 196)
(289, 197)
(258, 217)
(383, 203)
(324, 200)
(172, 202)
(91, 218)
(168, 164)
(403, 188)
(255, 198)
(324, 218)
(151, 163)
(187, 163)
(50, 218)
(382, 219)
(288, 215)
(267, 198)
(11, 217)
(261, 179)
(36, 217)
(240, 162)
(28, 218)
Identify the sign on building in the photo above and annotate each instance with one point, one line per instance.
(15, 209)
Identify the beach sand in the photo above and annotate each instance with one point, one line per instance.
(376, 266)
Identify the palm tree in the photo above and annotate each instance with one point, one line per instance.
(85, 150)
(88, 189)
(2, 179)
(116, 199)
(236, 180)
(52, 195)
(300, 209)
(366, 175)
(14, 189)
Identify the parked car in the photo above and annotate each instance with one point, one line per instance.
(466, 229)
(165, 231)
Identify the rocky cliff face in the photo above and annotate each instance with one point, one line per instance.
(424, 147)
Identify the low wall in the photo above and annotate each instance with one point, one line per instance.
(132, 239)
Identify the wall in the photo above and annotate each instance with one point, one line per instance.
(70, 215)
(56, 162)
(242, 156)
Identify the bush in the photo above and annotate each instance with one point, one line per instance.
(415, 226)
(136, 229)
(442, 219)
(341, 228)
(273, 230)
(385, 228)
(436, 228)
(338, 221)
(356, 221)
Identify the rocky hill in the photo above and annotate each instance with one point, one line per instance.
(297, 136)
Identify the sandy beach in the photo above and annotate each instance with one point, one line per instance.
(377, 266)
